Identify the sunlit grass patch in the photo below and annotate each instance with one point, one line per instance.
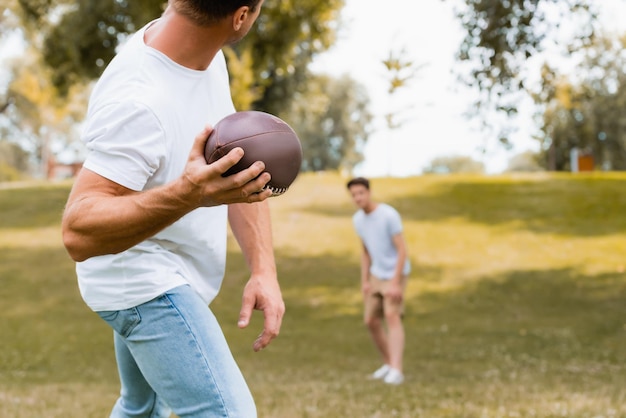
(515, 305)
(36, 205)
(49, 237)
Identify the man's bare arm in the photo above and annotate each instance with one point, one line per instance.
(251, 226)
(103, 217)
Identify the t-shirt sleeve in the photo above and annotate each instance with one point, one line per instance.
(125, 143)
(395, 222)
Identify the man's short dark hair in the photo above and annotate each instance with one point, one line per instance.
(208, 12)
(359, 181)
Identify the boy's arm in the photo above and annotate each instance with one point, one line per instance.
(395, 291)
(366, 263)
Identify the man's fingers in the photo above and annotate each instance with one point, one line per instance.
(271, 328)
(247, 305)
(253, 178)
(264, 339)
(261, 342)
(227, 161)
(256, 185)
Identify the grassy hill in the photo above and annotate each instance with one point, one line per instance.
(516, 305)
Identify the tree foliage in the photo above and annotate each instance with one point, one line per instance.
(527, 161)
(80, 37)
(40, 118)
(269, 68)
(13, 161)
(283, 42)
(400, 70)
(502, 36)
(586, 110)
(33, 115)
(332, 118)
(454, 164)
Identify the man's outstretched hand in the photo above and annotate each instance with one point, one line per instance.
(263, 294)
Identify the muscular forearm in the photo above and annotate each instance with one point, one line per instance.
(97, 224)
(252, 228)
(103, 217)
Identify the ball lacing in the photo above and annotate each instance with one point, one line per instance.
(276, 191)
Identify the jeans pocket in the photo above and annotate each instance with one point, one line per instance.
(123, 322)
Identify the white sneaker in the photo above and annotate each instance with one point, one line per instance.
(393, 377)
(381, 372)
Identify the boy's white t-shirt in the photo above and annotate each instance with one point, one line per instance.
(143, 116)
(377, 229)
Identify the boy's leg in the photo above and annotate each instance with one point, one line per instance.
(181, 351)
(395, 329)
(395, 338)
(373, 318)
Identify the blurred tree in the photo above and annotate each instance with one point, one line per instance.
(38, 115)
(560, 103)
(9, 24)
(501, 36)
(81, 37)
(587, 110)
(281, 45)
(399, 72)
(268, 68)
(454, 164)
(13, 161)
(526, 161)
(243, 87)
(332, 121)
(32, 113)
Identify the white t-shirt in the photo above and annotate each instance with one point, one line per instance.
(143, 116)
(377, 229)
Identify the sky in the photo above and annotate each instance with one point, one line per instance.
(434, 102)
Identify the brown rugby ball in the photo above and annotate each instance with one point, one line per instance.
(263, 137)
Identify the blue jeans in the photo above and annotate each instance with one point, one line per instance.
(171, 353)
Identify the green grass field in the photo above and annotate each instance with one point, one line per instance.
(516, 306)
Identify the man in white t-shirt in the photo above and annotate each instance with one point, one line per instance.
(147, 217)
(384, 270)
